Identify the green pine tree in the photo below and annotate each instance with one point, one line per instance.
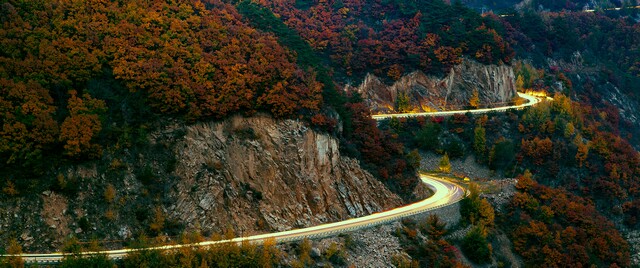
(403, 103)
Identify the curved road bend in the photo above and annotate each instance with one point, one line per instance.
(531, 100)
(446, 193)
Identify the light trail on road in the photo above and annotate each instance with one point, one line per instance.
(446, 193)
(531, 100)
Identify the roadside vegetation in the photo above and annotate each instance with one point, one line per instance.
(565, 144)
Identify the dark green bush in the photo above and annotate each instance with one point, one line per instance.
(476, 247)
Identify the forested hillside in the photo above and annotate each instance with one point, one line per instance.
(75, 73)
(392, 37)
(94, 95)
(549, 5)
(79, 76)
(578, 5)
(101, 83)
(604, 49)
(583, 178)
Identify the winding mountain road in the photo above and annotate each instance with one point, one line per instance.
(445, 193)
(531, 100)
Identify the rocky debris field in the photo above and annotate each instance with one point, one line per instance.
(376, 246)
(462, 166)
(633, 237)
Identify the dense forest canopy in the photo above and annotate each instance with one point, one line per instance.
(187, 59)
(392, 37)
(77, 77)
(548, 5)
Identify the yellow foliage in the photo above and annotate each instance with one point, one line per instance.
(474, 102)
(10, 189)
(158, 220)
(110, 193)
(445, 165)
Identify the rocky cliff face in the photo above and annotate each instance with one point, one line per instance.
(258, 174)
(253, 175)
(495, 85)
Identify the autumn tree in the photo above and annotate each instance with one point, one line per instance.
(395, 72)
(304, 251)
(444, 165)
(409, 36)
(270, 254)
(366, 135)
(434, 251)
(14, 249)
(537, 149)
(520, 84)
(28, 126)
(435, 228)
(10, 189)
(550, 227)
(583, 151)
(222, 68)
(476, 210)
(403, 103)
(110, 193)
(569, 130)
(82, 125)
(474, 101)
(448, 56)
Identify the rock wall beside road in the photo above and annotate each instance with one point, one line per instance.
(494, 83)
(258, 174)
(251, 174)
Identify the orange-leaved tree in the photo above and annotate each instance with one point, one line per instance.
(26, 121)
(82, 125)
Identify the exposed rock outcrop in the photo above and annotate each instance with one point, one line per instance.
(258, 173)
(254, 175)
(495, 85)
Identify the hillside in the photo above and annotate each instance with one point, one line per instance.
(548, 5)
(126, 122)
(582, 176)
(104, 67)
(95, 95)
(244, 175)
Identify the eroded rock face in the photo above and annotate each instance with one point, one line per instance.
(494, 83)
(253, 175)
(258, 174)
